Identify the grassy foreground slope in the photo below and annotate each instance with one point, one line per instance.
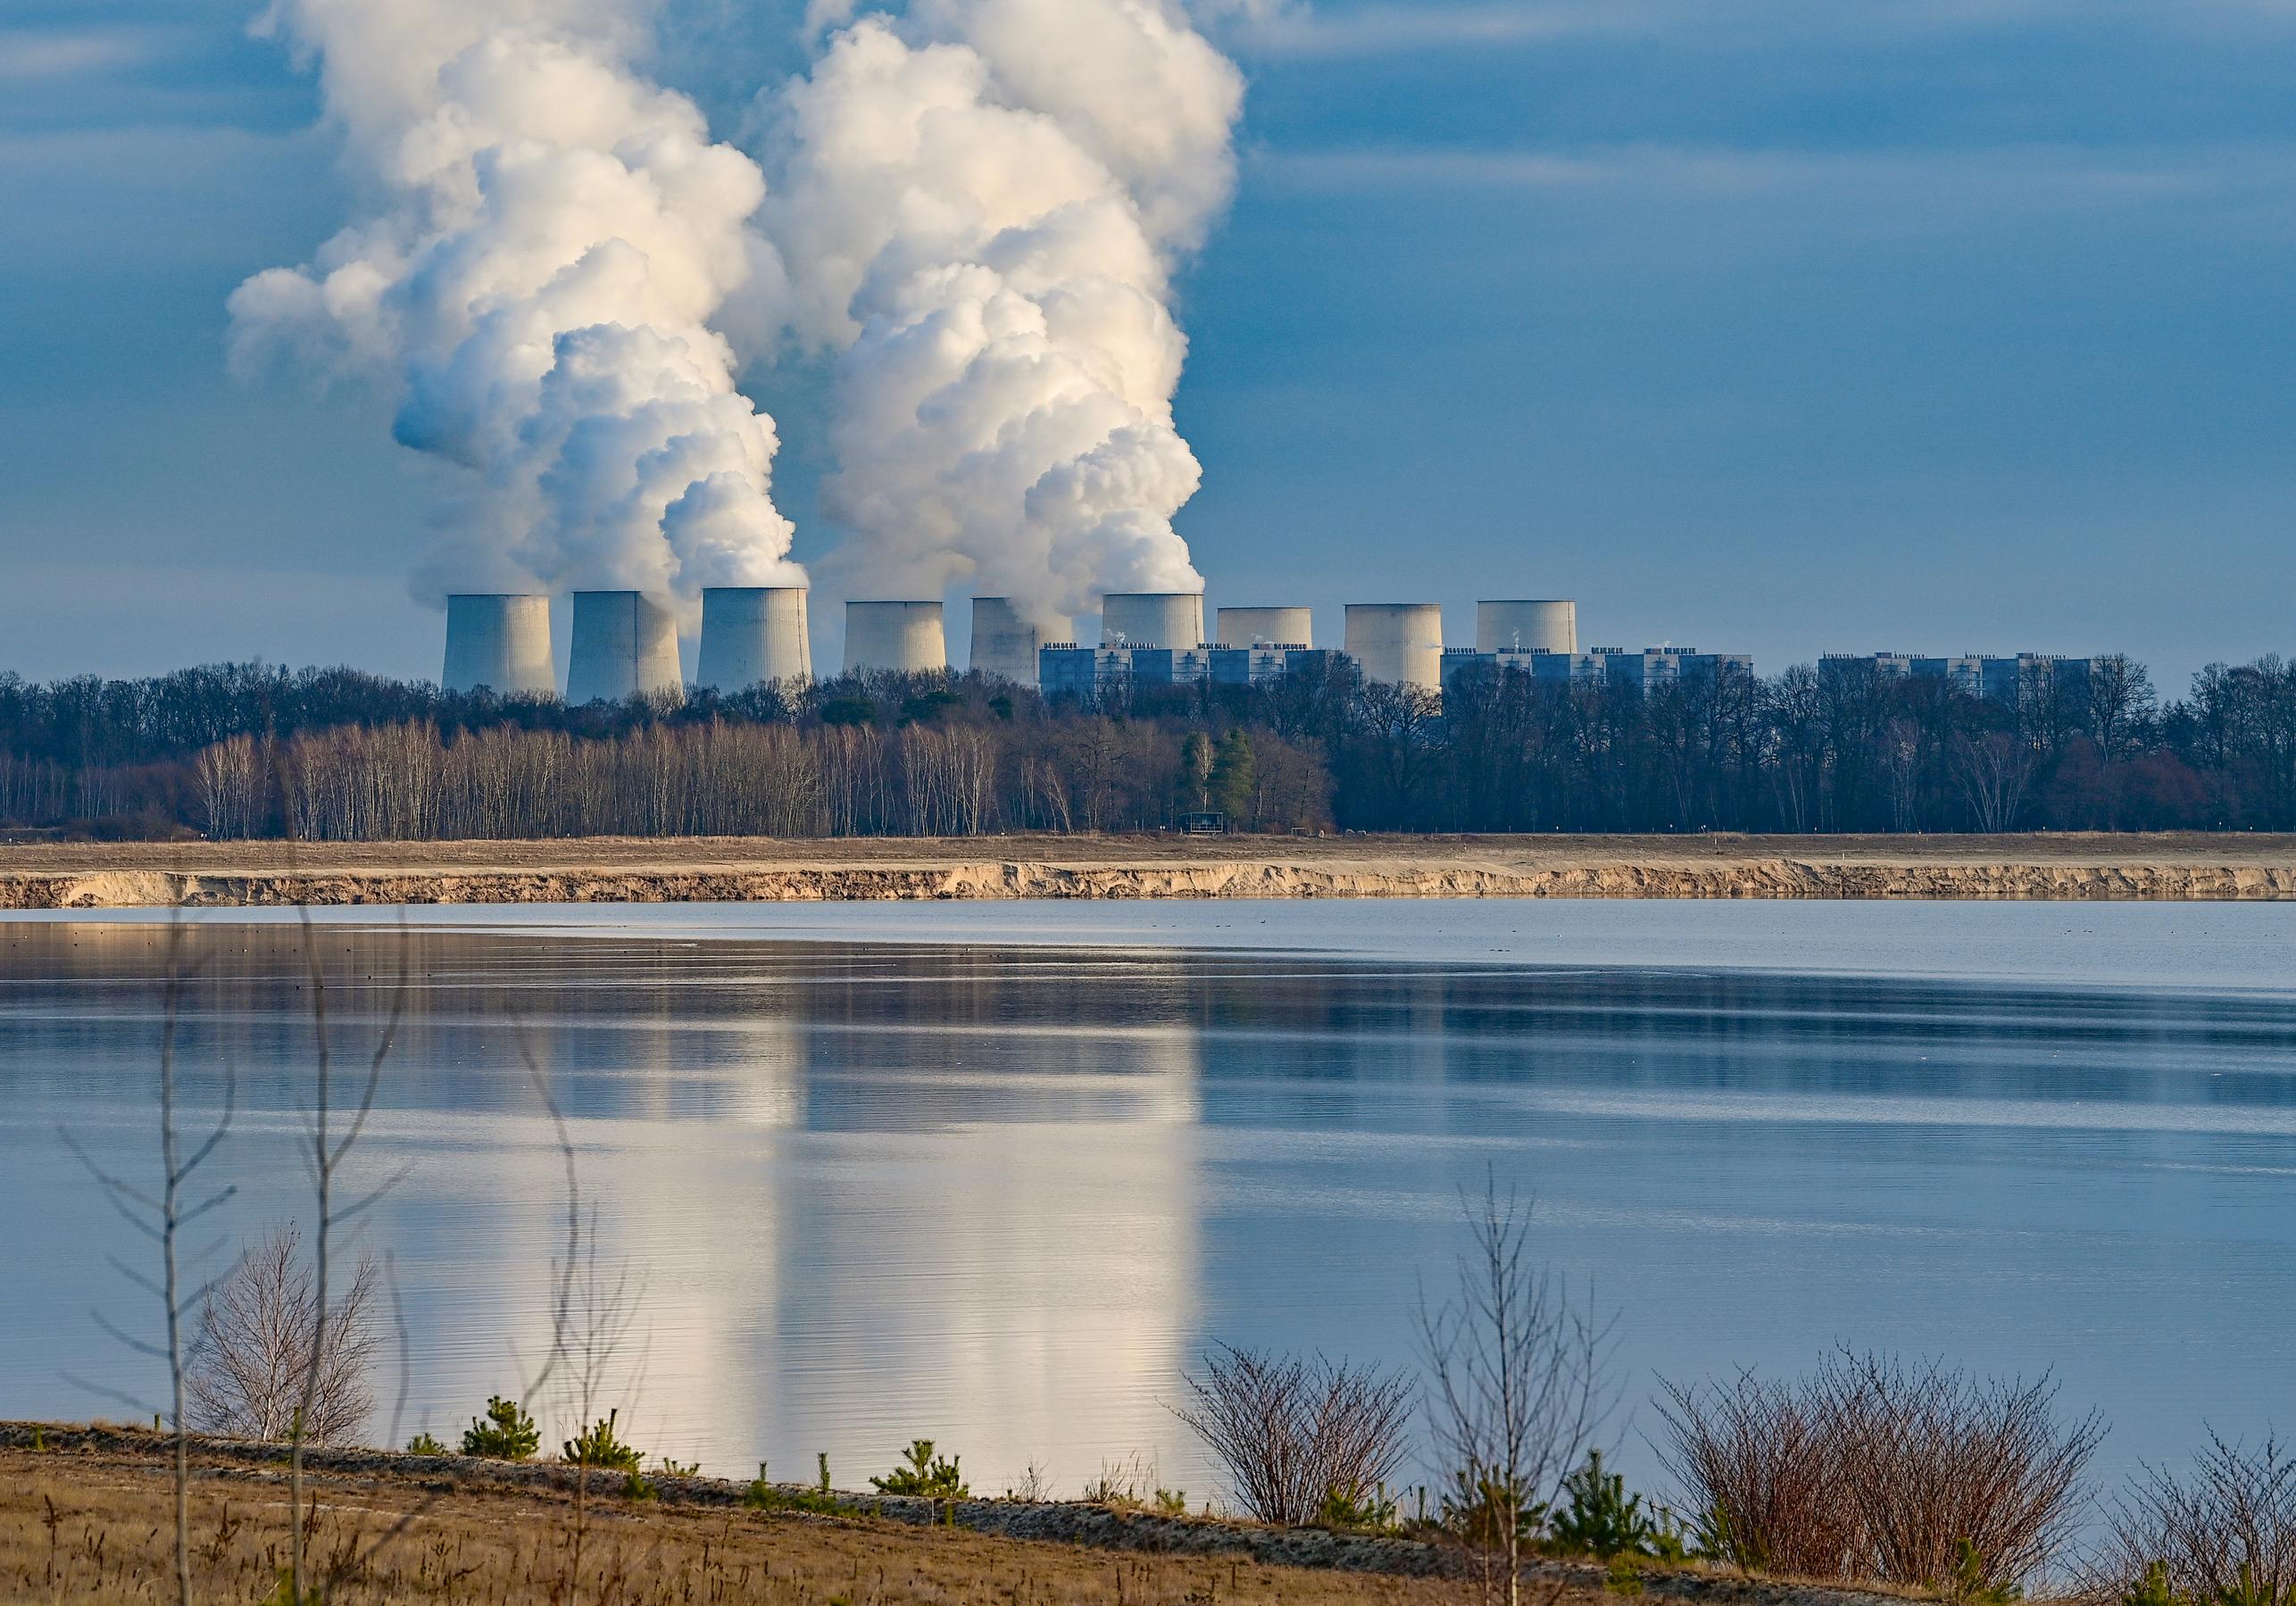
(86, 1517)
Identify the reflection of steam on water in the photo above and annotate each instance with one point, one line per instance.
(667, 1124)
(861, 1200)
(953, 1294)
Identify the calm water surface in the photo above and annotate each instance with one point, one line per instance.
(993, 1175)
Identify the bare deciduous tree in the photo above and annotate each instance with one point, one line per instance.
(1299, 1435)
(1995, 771)
(162, 1218)
(1517, 1368)
(328, 1148)
(248, 1376)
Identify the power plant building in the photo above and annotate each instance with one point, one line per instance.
(1642, 671)
(1655, 666)
(1255, 666)
(1399, 644)
(904, 636)
(1547, 667)
(500, 641)
(1064, 669)
(752, 635)
(2007, 678)
(625, 645)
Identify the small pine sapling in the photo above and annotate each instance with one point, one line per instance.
(925, 1475)
(599, 1446)
(507, 1434)
(1600, 1519)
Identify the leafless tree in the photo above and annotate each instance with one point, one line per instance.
(2121, 702)
(2225, 1532)
(163, 1218)
(1517, 1382)
(1296, 1435)
(1995, 771)
(248, 1375)
(328, 1147)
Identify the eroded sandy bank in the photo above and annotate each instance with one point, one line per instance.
(620, 872)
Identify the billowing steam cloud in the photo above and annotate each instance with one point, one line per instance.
(547, 238)
(980, 204)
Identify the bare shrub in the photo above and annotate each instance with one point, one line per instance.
(1916, 1474)
(1297, 1434)
(2227, 1532)
(249, 1375)
(1940, 1459)
(1517, 1368)
(1763, 1462)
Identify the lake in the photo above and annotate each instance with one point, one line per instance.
(995, 1174)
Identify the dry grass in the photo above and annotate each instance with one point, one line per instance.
(82, 1525)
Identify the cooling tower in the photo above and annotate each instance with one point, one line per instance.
(502, 642)
(625, 645)
(1398, 643)
(1265, 627)
(752, 634)
(1005, 643)
(894, 636)
(1550, 627)
(1152, 619)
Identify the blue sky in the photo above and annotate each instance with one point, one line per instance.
(1780, 326)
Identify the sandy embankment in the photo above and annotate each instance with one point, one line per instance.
(624, 870)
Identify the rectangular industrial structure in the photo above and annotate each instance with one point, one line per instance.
(2005, 678)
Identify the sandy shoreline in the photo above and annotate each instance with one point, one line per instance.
(2067, 867)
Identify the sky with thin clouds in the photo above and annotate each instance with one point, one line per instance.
(1778, 326)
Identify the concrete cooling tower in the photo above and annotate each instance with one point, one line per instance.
(501, 641)
(625, 645)
(1265, 627)
(1527, 626)
(1399, 643)
(1152, 619)
(906, 636)
(753, 634)
(1005, 643)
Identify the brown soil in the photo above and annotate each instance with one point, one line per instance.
(715, 869)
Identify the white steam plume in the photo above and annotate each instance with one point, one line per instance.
(981, 203)
(545, 239)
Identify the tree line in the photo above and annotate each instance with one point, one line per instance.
(250, 749)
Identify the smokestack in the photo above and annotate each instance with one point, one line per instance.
(1152, 619)
(502, 642)
(1527, 626)
(906, 636)
(752, 635)
(1265, 627)
(1398, 643)
(1004, 643)
(625, 645)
